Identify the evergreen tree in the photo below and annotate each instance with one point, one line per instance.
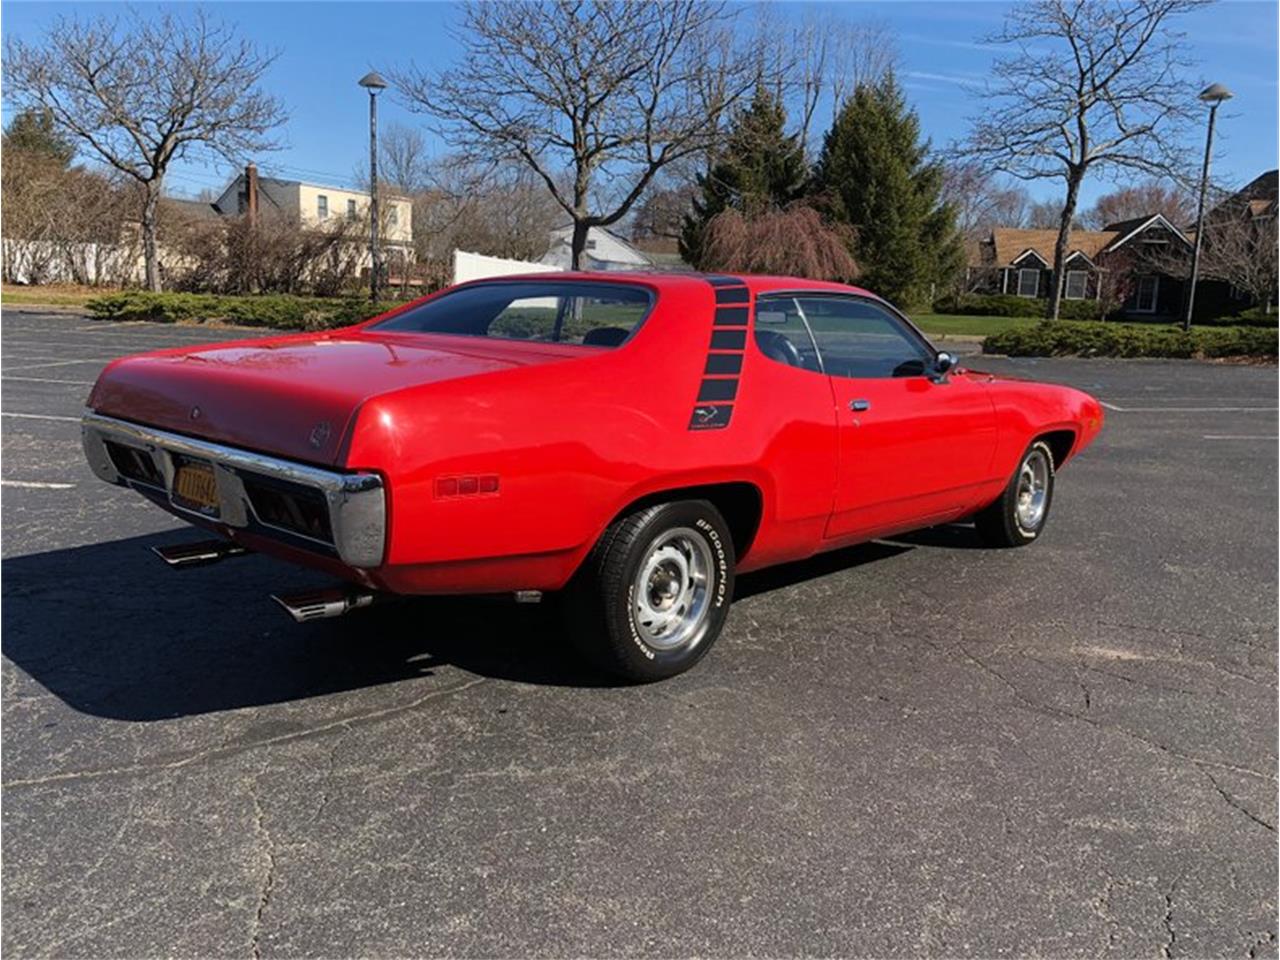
(759, 169)
(32, 131)
(875, 175)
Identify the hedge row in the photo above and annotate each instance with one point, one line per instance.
(1116, 340)
(278, 311)
(1007, 305)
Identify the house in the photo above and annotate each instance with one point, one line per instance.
(321, 207)
(1134, 266)
(604, 251)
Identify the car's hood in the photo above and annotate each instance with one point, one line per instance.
(295, 396)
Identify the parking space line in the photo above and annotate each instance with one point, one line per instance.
(1110, 406)
(1238, 436)
(36, 485)
(60, 363)
(43, 380)
(38, 416)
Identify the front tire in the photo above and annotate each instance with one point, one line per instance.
(1019, 516)
(654, 594)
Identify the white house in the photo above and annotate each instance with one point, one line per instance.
(318, 206)
(604, 251)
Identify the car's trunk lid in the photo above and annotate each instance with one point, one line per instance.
(295, 396)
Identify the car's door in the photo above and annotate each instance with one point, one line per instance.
(913, 445)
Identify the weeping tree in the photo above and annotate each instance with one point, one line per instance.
(1085, 86)
(595, 98)
(791, 242)
(138, 94)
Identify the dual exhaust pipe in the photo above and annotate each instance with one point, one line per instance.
(303, 607)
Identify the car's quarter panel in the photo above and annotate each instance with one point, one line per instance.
(569, 447)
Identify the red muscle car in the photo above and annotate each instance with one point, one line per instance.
(634, 440)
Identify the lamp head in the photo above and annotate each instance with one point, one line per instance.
(1215, 93)
(373, 82)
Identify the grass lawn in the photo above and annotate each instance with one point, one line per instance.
(53, 295)
(940, 323)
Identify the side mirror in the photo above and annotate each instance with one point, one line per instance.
(943, 363)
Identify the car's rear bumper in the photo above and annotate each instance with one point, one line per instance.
(339, 515)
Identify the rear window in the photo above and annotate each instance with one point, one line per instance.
(594, 314)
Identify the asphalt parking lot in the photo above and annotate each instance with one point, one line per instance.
(911, 747)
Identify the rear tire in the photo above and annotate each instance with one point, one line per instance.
(653, 595)
(1019, 515)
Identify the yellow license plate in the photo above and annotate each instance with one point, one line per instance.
(193, 483)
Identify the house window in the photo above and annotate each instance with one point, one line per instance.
(393, 216)
(322, 207)
(1147, 295)
(351, 210)
(1028, 283)
(1077, 285)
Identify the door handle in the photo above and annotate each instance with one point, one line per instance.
(857, 406)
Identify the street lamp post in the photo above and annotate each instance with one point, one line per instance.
(372, 82)
(1213, 95)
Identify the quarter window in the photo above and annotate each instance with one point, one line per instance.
(781, 335)
(1077, 284)
(1028, 283)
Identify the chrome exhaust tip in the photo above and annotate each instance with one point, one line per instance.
(194, 554)
(323, 604)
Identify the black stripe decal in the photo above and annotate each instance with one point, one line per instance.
(723, 363)
(729, 340)
(710, 417)
(730, 322)
(717, 390)
(732, 295)
(731, 317)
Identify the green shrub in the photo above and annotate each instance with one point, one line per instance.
(1119, 340)
(1007, 305)
(277, 311)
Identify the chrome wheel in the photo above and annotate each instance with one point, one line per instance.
(1033, 490)
(673, 588)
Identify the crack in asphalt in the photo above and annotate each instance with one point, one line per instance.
(1232, 802)
(267, 845)
(226, 750)
(1046, 709)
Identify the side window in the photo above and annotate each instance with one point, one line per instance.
(857, 338)
(782, 336)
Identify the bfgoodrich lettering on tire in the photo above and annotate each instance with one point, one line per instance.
(653, 595)
(1019, 516)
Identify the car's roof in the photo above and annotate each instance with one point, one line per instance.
(757, 283)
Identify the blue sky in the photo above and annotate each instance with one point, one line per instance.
(325, 47)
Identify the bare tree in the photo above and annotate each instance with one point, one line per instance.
(1142, 200)
(794, 242)
(1241, 251)
(1087, 85)
(140, 95)
(982, 201)
(595, 98)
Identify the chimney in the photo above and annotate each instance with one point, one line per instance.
(251, 192)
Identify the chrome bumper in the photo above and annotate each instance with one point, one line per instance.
(356, 501)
